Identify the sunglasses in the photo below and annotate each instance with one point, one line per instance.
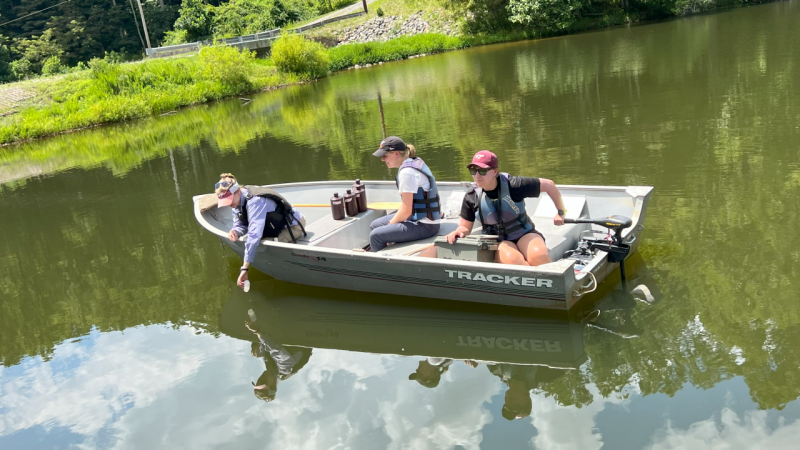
(474, 170)
(225, 184)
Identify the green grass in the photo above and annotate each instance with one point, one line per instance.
(110, 92)
(349, 55)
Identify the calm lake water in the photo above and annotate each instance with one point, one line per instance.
(121, 327)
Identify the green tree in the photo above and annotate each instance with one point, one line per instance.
(196, 18)
(240, 17)
(5, 62)
(36, 51)
(544, 15)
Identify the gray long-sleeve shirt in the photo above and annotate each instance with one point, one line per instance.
(257, 209)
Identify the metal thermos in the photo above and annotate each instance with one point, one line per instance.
(351, 204)
(337, 206)
(361, 191)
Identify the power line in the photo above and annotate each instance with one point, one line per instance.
(35, 12)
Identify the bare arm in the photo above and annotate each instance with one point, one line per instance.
(550, 188)
(406, 207)
(464, 229)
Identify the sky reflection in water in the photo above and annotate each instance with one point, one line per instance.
(162, 387)
(104, 255)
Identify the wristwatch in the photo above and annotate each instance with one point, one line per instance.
(562, 212)
(244, 269)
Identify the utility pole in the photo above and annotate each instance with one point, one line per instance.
(365, 6)
(380, 108)
(144, 25)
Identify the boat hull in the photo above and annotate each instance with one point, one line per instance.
(417, 277)
(326, 257)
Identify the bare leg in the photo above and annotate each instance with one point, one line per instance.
(508, 253)
(429, 253)
(533, 247)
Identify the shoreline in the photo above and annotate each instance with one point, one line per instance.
(262, 76)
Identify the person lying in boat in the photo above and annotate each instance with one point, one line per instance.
(420, 213)
(259, 213)
(499, 201)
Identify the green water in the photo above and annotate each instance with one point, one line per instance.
(120, 325)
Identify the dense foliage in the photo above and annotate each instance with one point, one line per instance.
(61, 38)
(546, 17)
(295, 54)
(80, 30)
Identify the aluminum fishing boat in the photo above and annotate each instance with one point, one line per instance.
(605, 229)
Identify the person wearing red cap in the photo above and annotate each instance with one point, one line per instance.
(499, 201)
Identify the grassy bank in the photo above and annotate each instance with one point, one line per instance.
(111, 92)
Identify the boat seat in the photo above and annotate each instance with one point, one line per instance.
(559, 239)
(409, 248)
(447, 226)
(327, 232)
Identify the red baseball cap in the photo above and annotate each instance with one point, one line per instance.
(484, 159)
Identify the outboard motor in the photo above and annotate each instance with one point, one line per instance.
(616, 249)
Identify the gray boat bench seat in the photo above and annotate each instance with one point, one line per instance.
(348, 233)
(446, 227)
(559, 239)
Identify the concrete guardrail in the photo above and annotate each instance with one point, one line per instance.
(250, 41)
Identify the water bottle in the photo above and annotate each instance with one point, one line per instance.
(246, 286)
(361, 193)
(350, 204)
(337, 207)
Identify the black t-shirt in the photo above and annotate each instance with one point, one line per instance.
(519, 188)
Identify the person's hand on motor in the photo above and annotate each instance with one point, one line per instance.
(233, 236)
(558, 220)
(451, 237)
(242, 279)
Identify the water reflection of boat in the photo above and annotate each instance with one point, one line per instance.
(295, 315)
(326, 257)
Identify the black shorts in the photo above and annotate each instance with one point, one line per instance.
(532, 231)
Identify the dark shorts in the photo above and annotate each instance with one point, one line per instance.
(532, 231)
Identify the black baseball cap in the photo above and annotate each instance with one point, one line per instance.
(390, 144)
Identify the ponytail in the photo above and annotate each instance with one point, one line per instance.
(411, 151)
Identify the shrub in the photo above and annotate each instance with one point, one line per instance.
(108, 76)
(53, 66)
(6, 74)
(544, 15)
(379, 12)
(176, 37)
(227, 66)
(296, 54)
(21, 69)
